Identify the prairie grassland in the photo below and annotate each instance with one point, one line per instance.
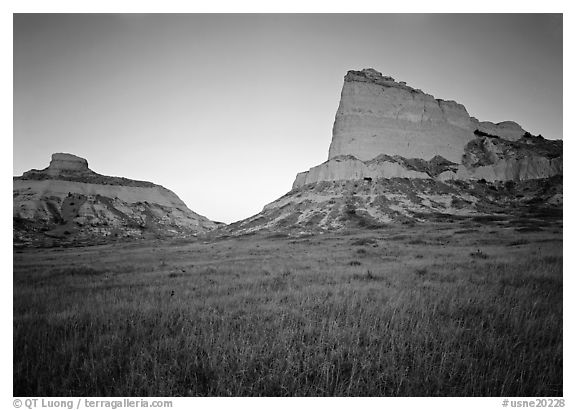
(462, 309)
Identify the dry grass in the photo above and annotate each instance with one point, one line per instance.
(276, 316)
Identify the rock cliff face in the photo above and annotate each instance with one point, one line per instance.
(383, 126)
(68, 202)
(378, 115)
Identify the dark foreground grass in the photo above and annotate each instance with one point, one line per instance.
(233, 318)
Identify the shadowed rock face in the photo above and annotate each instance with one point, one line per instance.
(497, 159)
(508, 130)
(68, 202)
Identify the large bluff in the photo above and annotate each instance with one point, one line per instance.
(68, 202)
(387, 129)
(400, 155)
(378, 115)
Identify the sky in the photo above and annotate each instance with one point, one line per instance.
(225, 110)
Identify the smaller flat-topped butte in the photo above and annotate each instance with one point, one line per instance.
(69, 202)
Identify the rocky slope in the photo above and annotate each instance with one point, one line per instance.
(69, 203)
(338, 205)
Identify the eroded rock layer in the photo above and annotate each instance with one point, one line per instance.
(68, 202)
(487, 158)
(335, 205)
(347, 167)
(387, 129)
(497, 159)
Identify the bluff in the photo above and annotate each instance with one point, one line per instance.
(387, 129)
(378, 115)
(67, 202)
(401, 155)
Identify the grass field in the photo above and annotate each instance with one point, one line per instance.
(472, 308)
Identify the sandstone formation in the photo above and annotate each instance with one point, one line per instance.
(69, 202)
(382, 126)
(378, 115)
(400, 155)
(67, 163)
